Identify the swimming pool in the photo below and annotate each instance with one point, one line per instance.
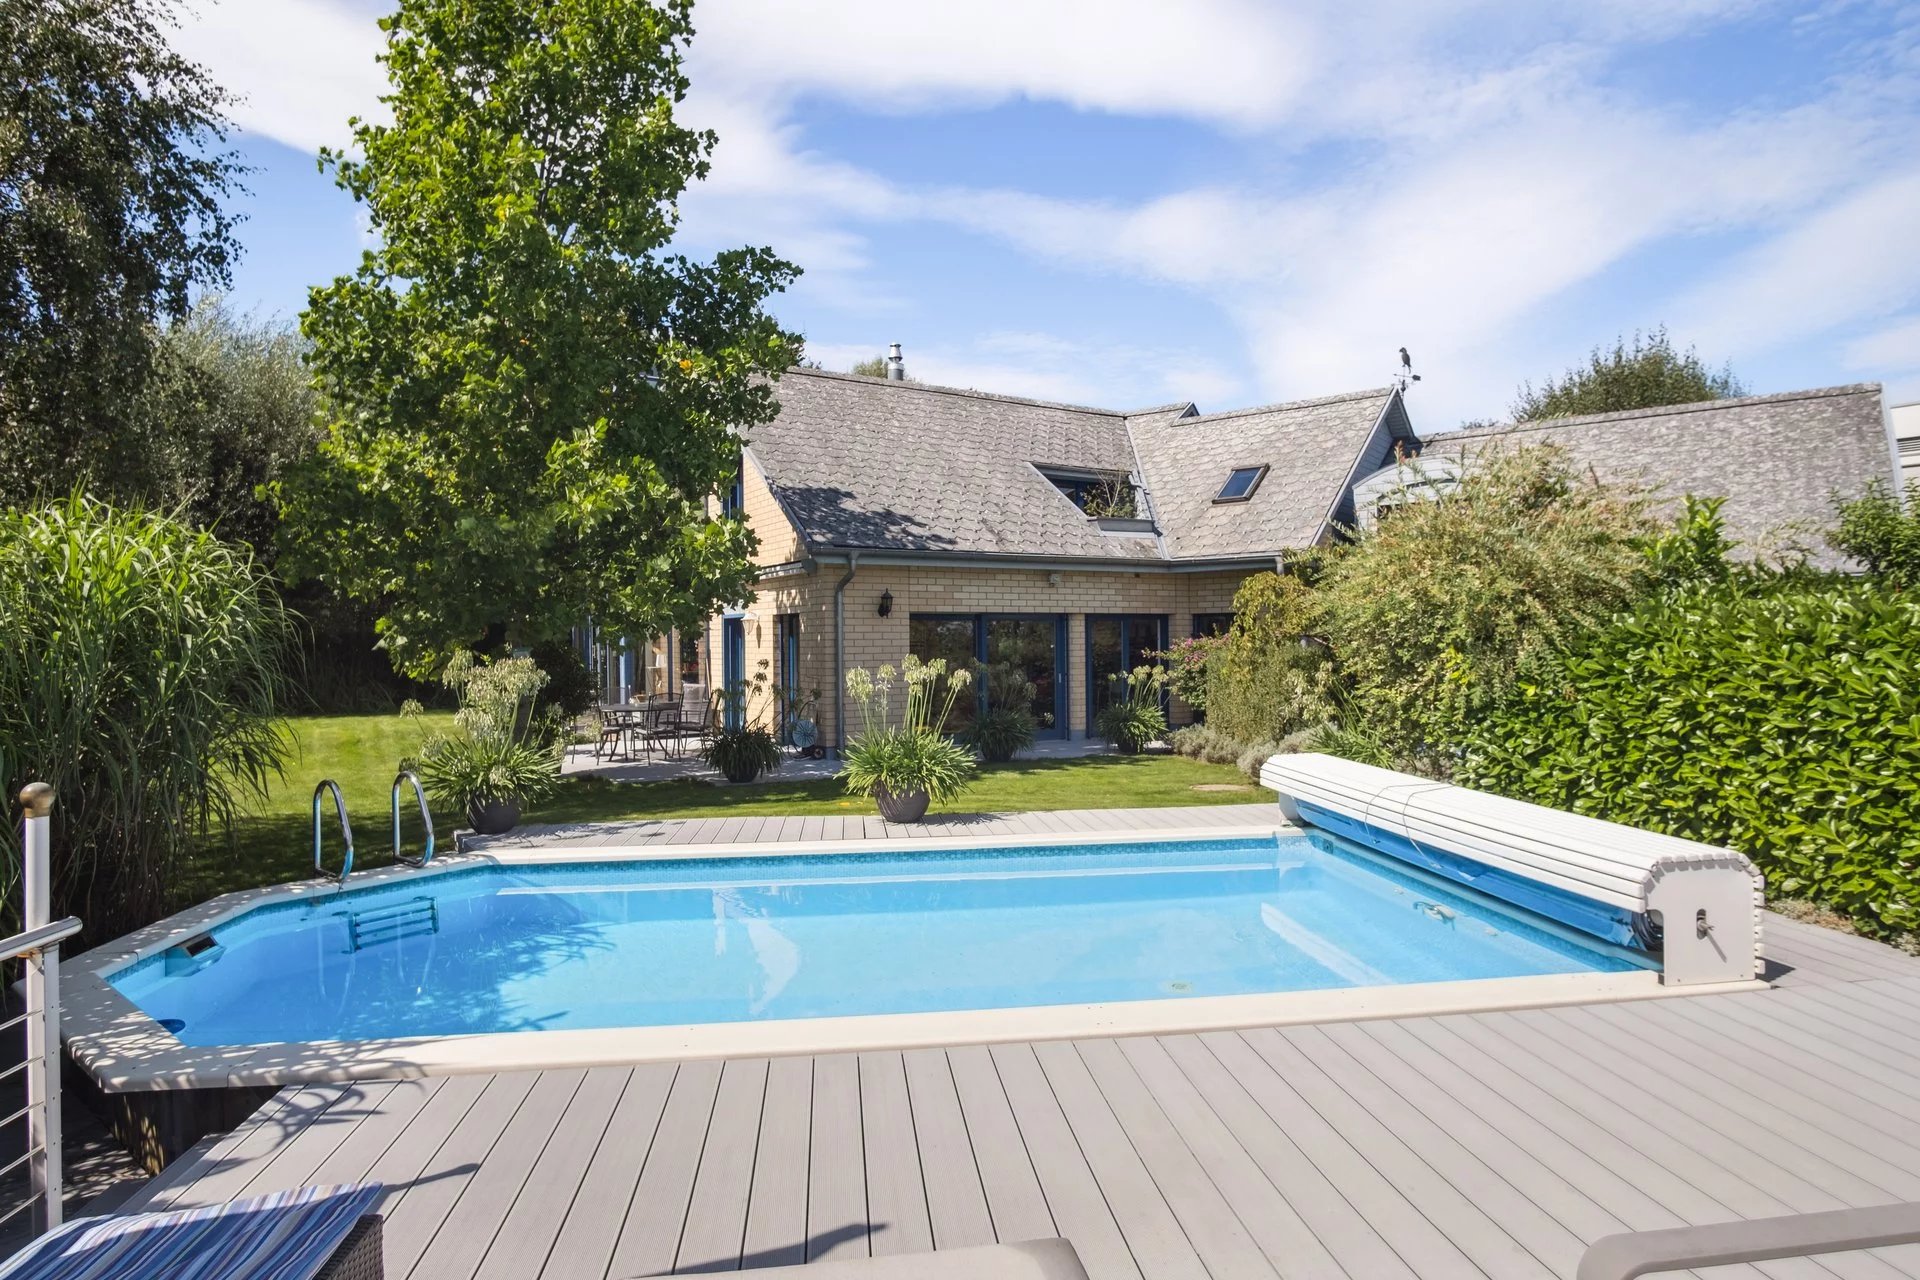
(491, 949)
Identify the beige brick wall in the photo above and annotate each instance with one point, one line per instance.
(779, 541)
(872, 640)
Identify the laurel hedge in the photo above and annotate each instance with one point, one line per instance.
(1778, 716)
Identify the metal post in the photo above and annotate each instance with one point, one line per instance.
(43, 1006)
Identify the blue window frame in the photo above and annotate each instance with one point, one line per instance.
(1116, 644)
(733, 650)
(1241, 482)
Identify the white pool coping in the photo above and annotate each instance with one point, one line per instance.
(124, 1050)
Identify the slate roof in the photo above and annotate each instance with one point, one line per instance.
(1778, 460)
(866, 463)
(1312, 448)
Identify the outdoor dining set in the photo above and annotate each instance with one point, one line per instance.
(674, 727)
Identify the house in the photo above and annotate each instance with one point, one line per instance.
(1069, 544)
(1906, 442)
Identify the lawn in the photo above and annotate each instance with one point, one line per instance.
(274, 843)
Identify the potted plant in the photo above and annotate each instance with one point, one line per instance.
(1007, 726)
(1132, 717)
(505, 750)
(906, 767)
(744, 746)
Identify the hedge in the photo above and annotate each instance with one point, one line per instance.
(1780, 719)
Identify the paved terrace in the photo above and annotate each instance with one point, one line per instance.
(1493, 1145)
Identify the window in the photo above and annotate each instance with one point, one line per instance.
(1212, 624)
(1098, 493)
(1241, 482)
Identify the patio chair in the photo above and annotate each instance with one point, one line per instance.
(695, 718)
(314, 1233)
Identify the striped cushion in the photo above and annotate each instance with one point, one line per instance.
(285, 1236)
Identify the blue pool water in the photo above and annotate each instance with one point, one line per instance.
(728, 940)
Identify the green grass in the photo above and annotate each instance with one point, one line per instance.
(361, 752)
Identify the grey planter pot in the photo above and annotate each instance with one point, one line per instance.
(907, 806)
(494, 817)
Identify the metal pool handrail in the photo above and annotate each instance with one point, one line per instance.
(426, 817)
(346, 828)
(38, 944)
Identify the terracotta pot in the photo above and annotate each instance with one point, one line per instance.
(494, 817)
(907, 806)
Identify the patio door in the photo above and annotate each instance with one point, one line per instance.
(786, 647)
(733, 655)
(1116, 644)
(1014, 648)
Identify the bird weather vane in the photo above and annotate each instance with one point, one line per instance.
(1406, 376)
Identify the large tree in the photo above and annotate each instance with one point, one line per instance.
(1642, 374)
(531, 400)
(112, 190)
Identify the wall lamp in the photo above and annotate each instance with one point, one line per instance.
(886, 603)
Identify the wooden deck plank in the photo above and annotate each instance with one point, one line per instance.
(585, 1244)
(481, 1203)
(294, 1165)
(896, 1193)
(777, 1203)
(956, 1198)
(1221, 1240)
(230, 1167)
(1075, 1199)
(436, 1189)
(1015, 1202)
(1342, 1231)
(528, 1230)
(1153, 1232)
(1420, 1244)
(716, 1230)
(651, 1236)
(837, 1223)
(1452, 1209)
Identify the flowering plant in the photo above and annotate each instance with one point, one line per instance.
(915, 755)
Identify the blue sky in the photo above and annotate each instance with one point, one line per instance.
(1131, 202)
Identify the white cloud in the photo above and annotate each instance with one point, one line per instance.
(301, 67)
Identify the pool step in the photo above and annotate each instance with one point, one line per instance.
(414, 918)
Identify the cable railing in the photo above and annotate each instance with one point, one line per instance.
(38, 946)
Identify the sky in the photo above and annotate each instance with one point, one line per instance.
(1128, 203)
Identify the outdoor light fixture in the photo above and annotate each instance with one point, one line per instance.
(886, 603)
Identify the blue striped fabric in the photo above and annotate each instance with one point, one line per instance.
(285, 1236)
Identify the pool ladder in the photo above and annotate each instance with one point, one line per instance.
(414, 918)
(328, 787)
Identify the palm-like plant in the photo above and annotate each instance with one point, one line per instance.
(914, 758)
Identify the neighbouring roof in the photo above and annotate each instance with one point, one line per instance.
(1778, 460)
(873, 464)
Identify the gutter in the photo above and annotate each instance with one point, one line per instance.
(840, 653)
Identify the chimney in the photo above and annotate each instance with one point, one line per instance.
(896, 364)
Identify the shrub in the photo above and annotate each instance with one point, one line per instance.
(1132, 717)
(570, 685)
(1882, 531)
(1186, 664)
(1781, 719)
(1432, 611)
(1251, 758)
(1267, 678)
(1000, 734)
(503, 749)
(917, 754)
(142, 665)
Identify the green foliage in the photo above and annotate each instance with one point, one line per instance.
(1113, 498)
(531, 401)
(570, 685)
(113, 187)
(1781, 719)
(1431, 612)
(1000, 734)
(1882, 531)
(1269, 677)
(745, 747)
(1186, 664)
(916, 754)
(140, 673)
(874, 367)
(1643, 374)
(1695, 551)
(1133, 717)
(504, 748)
(230, 408)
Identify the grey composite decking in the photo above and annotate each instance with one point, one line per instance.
(1482, 1145)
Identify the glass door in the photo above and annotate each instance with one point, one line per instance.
(1024, 651)
(733, 650)
(955, 637)
(1116, 644)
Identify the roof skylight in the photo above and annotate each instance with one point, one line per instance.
(1241, 482)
